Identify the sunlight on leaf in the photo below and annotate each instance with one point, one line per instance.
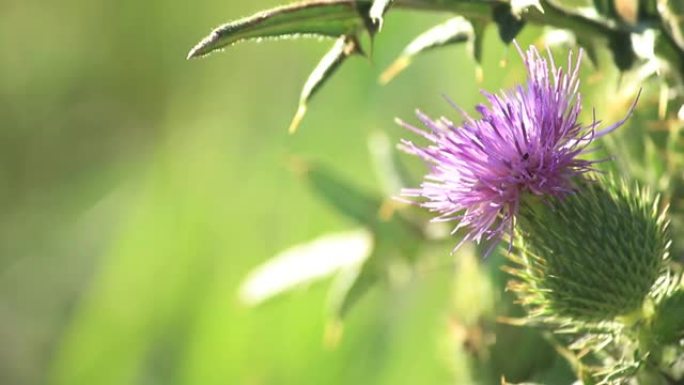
(306, 263)
(344, 47)
(453, 31)
(377, 11)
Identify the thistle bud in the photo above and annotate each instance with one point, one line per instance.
(594, 255)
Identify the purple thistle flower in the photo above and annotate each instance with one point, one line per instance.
(527, 141)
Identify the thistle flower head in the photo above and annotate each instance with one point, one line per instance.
(527, 140)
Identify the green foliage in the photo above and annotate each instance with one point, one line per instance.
(314, 18)
(347, 19)
(454, 31)
(343, 48)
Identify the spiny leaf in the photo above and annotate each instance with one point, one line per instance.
(344, 47)
(453, 31)
(323, 18)
(378, 10)
(395, 239)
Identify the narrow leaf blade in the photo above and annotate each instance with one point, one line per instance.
(344, 47)
(322, 18)
(349, 286)
(453, 31)
(347, 199)
(306, 263)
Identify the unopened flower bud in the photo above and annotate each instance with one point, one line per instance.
(593, 255)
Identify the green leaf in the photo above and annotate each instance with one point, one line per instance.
(508, 23)
(382, 217)
(453, 31)
(378, 10)
(620, 45)
(306, 263)
(344, 47)
(350, 285)
(476, 46)
(318, 18)
(350, 201)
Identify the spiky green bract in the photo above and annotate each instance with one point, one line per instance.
(592, 256)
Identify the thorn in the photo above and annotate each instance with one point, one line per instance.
(193, 53)
(394, 69)
(334, 329)
(198, 49)
(479, 74)
(297, 120)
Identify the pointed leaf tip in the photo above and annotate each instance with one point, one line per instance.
(453, 31)
(297, 119)
(344, 47)
(317, 18)
(377, 11)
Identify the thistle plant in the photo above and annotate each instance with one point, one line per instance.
(588, 231)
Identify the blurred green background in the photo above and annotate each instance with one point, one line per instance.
(138, 189)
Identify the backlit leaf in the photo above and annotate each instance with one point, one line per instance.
(306, 263)
(453, 31)
(344, 47)
(377, 11)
